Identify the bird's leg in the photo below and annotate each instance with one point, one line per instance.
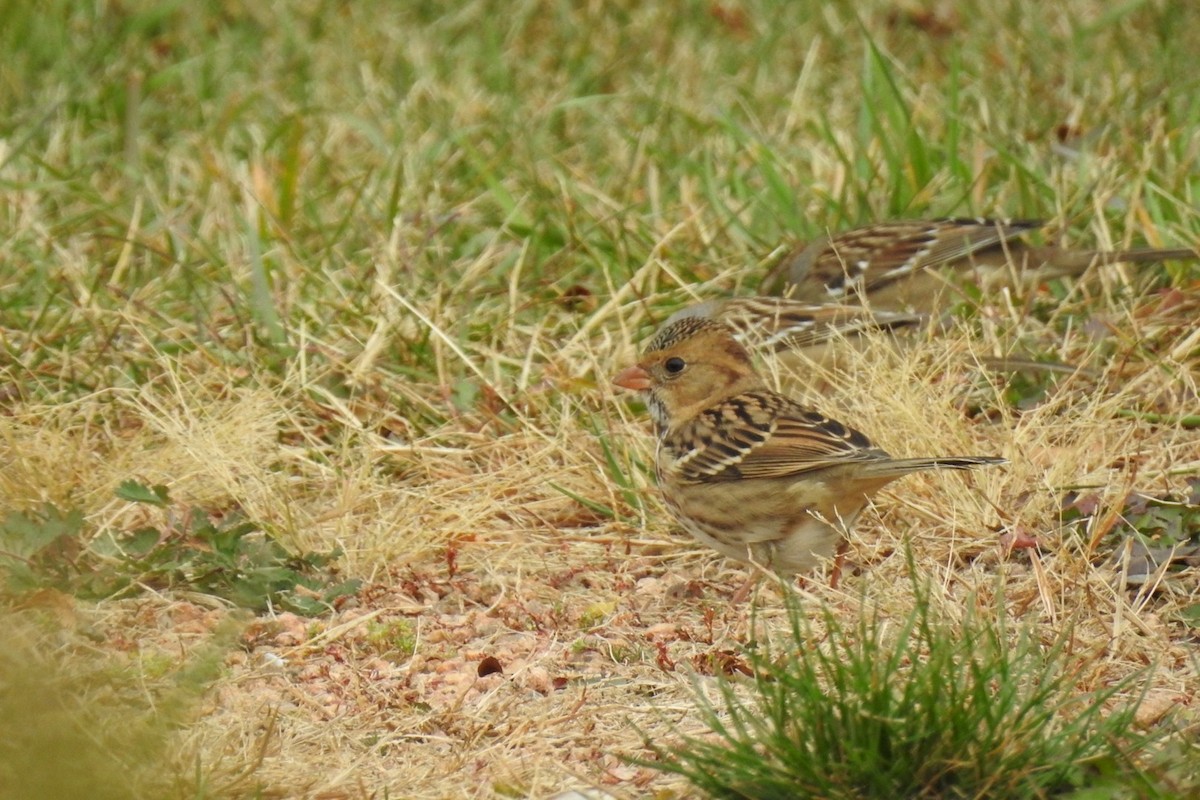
(757, 570)
(839, 558)
(744, 590)
(842, 526)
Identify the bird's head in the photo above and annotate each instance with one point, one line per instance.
(691, 364)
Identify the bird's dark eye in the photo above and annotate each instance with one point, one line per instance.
(675, 365)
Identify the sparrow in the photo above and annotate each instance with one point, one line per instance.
(898, 264)
(747, 471)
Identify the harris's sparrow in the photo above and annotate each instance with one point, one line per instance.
(897, 264)
(747, 471)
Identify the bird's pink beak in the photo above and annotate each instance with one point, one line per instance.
(635, 379)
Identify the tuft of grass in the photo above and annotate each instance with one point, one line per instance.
(920, 707)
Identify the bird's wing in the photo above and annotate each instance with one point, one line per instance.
(761, 435)
(876, 255)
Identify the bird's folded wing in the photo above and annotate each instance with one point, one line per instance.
(887, 252)
(755, 437)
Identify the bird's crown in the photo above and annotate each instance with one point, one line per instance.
(685, 328)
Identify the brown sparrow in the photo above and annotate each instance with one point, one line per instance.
(896, 264)
(747, 471)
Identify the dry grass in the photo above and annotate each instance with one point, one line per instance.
(371, 299)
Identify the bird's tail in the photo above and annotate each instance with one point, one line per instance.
(1071, 262)
(902, 466)
(1146, 255)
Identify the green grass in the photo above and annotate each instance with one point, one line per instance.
(954, 706)
(360, 272)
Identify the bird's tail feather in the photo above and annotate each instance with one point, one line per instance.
(1071, 262)
(903, 466)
